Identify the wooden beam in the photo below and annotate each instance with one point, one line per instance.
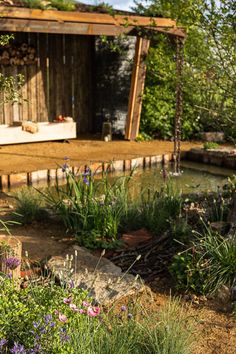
(37, 26)
(137, 87)
(84, 17)
(20, 25)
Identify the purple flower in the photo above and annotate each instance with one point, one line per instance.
(63, 335)
(12, 262)
(123, 308)
(87, 172)
(71, 284)
(48, 318)
(64, 167)
(18, 349)
(3, 342)
(130, 316)
(86, 181)
(36, 324)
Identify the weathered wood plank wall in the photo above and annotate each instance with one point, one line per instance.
(59, 83)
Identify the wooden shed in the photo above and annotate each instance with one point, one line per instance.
(54, 51)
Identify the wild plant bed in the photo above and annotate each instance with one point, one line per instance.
(187, 254)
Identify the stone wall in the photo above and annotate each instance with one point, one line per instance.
(112, 71)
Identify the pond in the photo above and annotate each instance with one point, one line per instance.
(195, 177)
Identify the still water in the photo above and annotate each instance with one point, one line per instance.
(195, 177)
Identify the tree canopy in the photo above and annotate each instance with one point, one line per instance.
(209, 79)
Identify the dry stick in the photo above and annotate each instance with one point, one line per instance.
(143, 247)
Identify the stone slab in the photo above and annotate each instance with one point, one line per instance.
(104, 281)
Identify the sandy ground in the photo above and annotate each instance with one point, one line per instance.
(46, 155)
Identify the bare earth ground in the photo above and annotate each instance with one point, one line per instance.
(46, 155)
(215, 331)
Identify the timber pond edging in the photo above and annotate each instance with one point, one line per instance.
(21, 179)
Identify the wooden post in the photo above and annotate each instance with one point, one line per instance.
(137, 87)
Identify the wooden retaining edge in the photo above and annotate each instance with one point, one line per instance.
(14, 180)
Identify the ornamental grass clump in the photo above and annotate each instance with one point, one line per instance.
(29, 206)
(159, 209)
(92, 209)
(207, 265)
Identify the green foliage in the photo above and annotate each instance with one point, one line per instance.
(219, 209)
(24, 314)
(91, 209)
(62, 5)
(219, 254)
(41, 319)
(159, 209)
(4, 39)
(10, 85)
(172, 334)
(188, 272)
(29, 206)
(208, 75)
(209, 264)
(210, 145)
(143, 137)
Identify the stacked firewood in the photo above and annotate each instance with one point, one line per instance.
(18, 54)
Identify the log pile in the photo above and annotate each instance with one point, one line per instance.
(18, 54)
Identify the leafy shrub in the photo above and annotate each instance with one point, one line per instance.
(143, 137)
(29, 206)
(188, 272)
(210, 145)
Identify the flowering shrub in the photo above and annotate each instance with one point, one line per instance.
(56, 320)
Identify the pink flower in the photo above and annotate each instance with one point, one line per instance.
(73, 307)
(85, 303)
(67, 300)
(81, 311)
(62, 318)
(93, 311)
